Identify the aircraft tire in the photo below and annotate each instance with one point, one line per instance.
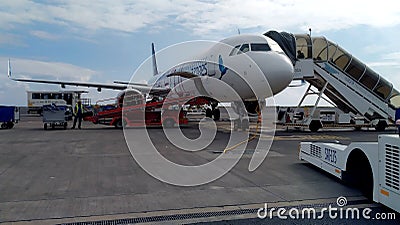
(10, 125)
(381, 126)
(209, 113)
(217, 114)
(315, 125)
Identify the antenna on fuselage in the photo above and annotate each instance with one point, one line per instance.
(153, 57)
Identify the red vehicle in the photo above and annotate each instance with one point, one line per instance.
(136, 112)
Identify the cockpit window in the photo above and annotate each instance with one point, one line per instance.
(245, 48)
(260, 47)
(234, 50)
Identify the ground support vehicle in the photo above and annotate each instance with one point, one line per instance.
(134, 113)
(154, 115)
(374, 167)
(9, 115)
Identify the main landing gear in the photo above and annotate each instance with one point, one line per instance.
(214, 112)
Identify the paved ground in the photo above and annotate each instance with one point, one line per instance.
(58, 176)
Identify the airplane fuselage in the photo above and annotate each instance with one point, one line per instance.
(248, 63)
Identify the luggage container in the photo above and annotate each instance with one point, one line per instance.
(9, 115)
(55, 115)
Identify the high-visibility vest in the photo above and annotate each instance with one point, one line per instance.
(77, 108)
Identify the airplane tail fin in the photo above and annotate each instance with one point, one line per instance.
(153, 55)
(9, 69)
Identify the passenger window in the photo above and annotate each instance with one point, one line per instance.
(244, 49)
(35, 96)
(234, 50)
(260, 47)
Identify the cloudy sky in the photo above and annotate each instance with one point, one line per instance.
(102, 40)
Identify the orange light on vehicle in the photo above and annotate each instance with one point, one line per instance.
(386, 193)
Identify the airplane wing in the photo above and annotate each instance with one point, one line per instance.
(99, 86)
(73, 83)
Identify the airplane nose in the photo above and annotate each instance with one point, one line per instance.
(277, 69)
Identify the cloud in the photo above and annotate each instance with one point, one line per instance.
(393, 56)
(44, 35)
(200, 17)
(11, 92)
(388, 67)
(14, 93)
(387, 60)
(46, 70)
(206, 18)
(11, 40)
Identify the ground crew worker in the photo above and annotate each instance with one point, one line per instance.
(300, 54)
(78, 114)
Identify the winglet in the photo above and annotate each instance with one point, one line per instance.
(153, 55)
(9, 69)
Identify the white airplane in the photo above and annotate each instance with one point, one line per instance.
(240, 53)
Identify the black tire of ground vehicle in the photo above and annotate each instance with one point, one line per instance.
(357, 128)
(209, 113)
(65, 125)
(315, 125)
(3, 126)
(245, 124)
(118, 124)
(381, 126)
(45, 126)
(53, 126)
(10, 125)
(217, 114)
(359, 173)
(168, 123)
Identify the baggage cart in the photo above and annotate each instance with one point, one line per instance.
(9, 115)
(55, 115)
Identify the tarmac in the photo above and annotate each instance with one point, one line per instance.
(69, 176)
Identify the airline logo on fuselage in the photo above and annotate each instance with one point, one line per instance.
(198, 68)
(221, 66)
